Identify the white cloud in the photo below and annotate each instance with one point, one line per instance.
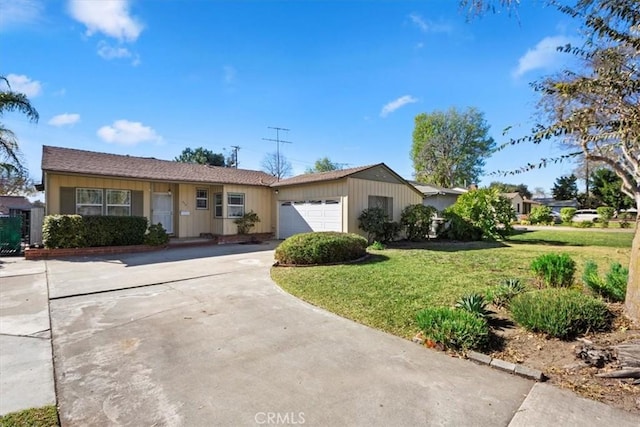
(109, 17)
(65, 119)
(544, 56)
(128, 133)
(23, 84)
(427, 26)
(397, 103)
(19, 12)
(107, 51)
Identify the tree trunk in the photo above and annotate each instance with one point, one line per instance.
(632, 301)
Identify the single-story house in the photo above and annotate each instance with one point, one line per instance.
(556, 205)
(190, 200)
(438, 197)
(17, 206)
(521, 205)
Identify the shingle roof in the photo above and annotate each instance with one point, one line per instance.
(322, 176)
(57, 159)
(432, 190)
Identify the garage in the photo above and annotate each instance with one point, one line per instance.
(302, 216)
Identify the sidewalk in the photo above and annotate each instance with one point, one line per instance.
(26, 367)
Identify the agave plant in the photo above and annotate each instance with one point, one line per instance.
(474, 303)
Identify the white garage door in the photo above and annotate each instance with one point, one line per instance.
(309, 215)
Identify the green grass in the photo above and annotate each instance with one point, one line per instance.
(613, 239)
(47, 416)
(387, 291)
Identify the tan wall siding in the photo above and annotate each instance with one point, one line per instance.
(191, 221)
(55, 181)
(257, 199)
(360, 190)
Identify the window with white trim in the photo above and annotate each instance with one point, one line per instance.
(202, 198)
(119, 202)
(235, 205)
(217, 202)
(384, 203)
(89, 201)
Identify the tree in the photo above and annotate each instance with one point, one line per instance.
(565, 188)
(201, 156)
(14, 182)
(539, 192)
(323, 165)
(449, 148)
(276, 165)
(12, 168)
(596, 108)
(503, 187)
(606, 188)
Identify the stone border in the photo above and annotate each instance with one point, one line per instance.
(484, 359)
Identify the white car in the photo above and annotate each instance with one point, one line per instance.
(585, 215)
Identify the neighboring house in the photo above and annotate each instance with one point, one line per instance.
(191, 199)
(438, 197)
(521, 205)
(17, 206)
(556, 205)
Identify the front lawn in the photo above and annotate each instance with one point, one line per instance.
(387, 291)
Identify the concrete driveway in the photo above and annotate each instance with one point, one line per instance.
(202, 337)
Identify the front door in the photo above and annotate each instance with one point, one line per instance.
(162, 206)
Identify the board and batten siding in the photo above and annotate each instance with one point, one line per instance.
(257, 199)
(55, 181)
(361, 189)
(316, 191)
(192, 221)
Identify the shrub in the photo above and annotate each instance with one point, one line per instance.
(377, 246)
(457, 228)
(560, 313)
(614, 285)
(156, 235)
(372, 221)
(455, 329)
(605, 213)
(540, 215)
(321, 248)
(624, 220)
(474, 304)
(487, 210)
(583, 224)
(416, 220)
(390, 231)
(63, 231)
(502, 294)
(555, 270)
(567, 214)
(75, 231)
(247, 222)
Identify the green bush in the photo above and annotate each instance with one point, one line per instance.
(540, 215)
(416, 220)
(502, 294)
(583, 224)
(474, 304)
(567, 214)
(457, 228)
(377, 246)
(555, 270)
(614, 285)
(321, 248)
(624, 220)
(63, 231)
(372, 221)
(605, 213)
(486, 210)
(247, 222)
(156, 235)
(75, 231)
(455, 329)
(560, 313)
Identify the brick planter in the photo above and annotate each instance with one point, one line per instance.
(33, 254)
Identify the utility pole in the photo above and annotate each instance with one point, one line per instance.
(234, 156)
(278, 141)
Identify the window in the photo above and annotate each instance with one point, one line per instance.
(218, 205)
(384, 203)
(89, 201)
(235, 205)
(119, 202)
(202, 199)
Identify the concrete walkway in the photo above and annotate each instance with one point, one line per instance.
(201, 336)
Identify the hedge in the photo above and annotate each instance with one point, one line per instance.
(75, 231)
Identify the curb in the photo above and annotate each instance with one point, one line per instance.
(512, 368)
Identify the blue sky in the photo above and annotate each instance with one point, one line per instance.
(152, 77)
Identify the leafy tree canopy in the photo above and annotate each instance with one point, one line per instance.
(324, 165)
(201, 156)
(565, 188)
(450, 147)
(503, 187)
(605, 187)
